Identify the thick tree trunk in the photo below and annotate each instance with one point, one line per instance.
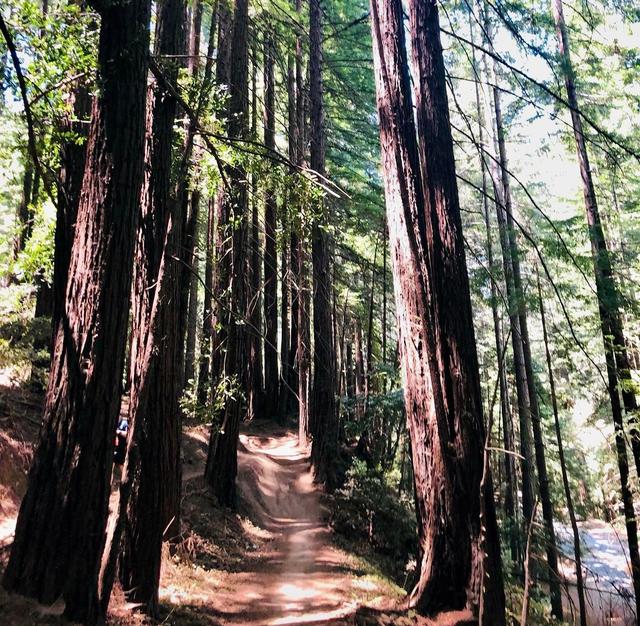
(324, 416)
(72, 161)
(271, 376)
(151, 486)
(618, 371)
(222, 461)
(254, 297)
(50, 298)
(61, 527)
(303, 340)
(457, 527)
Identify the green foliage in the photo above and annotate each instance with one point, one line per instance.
(19, 332)
(367, 510)
(226, 389)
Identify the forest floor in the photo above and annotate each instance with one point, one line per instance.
(287, 569)
(272, 562)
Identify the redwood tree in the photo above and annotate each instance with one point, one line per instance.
(323, 414)
(222, 459)
(458, 534)
(61, 526)
(270, 249)
(154, 414)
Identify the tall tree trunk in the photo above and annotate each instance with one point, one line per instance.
(223, 250)
(271, 377)
(511, 492)
(303, 340)
(192, 325)
(360, 375)
(191, 209)
(50, 299)
(369, 372)
(532, 394)
(618, 371)
(294, 299)
(60, 530)
(190, 199)
(502, 194)
(525, 382)
(222, 459)
(285, 326)
(151, 486)
(255, 389)
(456, 519)
(204, 369)
(563, 465)
(324, 415)
(384, 296)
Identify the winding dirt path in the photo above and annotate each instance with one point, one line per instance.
(300, 577)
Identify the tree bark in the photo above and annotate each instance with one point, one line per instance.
(222, 461)
(324, 416)
(271, 376)
(254, 298)
(151, 485)
(60, 530)
(223, 252)
(204, 373)
(458, 533)
(303, 340)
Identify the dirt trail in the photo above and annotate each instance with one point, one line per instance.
(299, 577)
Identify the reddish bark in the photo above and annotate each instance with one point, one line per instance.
(303, 340)
(436, 337)
(324, 415)
(60, 529)
(271, 376)
(154, 415)
(222, 461)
